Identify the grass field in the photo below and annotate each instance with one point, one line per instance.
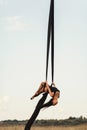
(20, 127)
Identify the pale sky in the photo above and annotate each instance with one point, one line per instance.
(23, 33)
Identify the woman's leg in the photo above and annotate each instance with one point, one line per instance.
(48, 104)
(52, 102)
(39, 91)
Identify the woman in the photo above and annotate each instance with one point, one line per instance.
(52, 91)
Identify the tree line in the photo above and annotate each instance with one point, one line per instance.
(51, 122)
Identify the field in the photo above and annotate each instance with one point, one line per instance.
(21, 127)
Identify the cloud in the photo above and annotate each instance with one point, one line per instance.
(6, 99)
(14, 23)
(3, 2)
(4, 102)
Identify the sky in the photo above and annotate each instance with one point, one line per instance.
(23, 39)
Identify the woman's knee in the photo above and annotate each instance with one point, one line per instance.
(54, 102)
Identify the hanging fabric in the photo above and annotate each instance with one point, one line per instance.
(50, 39)
(50, 36)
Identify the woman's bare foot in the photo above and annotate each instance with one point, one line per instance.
(32, 98)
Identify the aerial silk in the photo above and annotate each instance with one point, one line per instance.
(36, 112)
(50, 37)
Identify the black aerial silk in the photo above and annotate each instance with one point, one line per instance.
(50, 36)
(36, 112)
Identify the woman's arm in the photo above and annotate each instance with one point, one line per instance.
(49, 91)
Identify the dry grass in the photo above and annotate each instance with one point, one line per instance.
(20, 127)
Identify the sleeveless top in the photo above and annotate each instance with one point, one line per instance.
(54, 89)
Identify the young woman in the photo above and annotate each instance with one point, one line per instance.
(51, 90)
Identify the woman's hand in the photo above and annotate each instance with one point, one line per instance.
(53, 83)
(52, 94)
